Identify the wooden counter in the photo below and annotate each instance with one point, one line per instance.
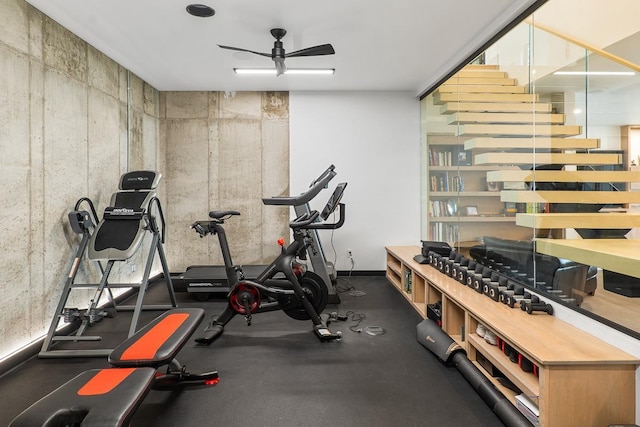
(582, 380)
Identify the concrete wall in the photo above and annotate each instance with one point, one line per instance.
(225, 151)
(72, 121)
(64, 134)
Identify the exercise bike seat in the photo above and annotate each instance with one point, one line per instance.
(121, 231)
(222, 214)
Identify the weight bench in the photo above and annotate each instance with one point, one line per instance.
(109, 397)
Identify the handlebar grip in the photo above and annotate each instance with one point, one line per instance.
(321, 182)
(304, 219)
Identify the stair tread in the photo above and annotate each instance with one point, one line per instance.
(444, 97)
(541, 143)
(579, 220)
(495, 107)
(519, 130)
(480, 80)
(548, 158)
(454, 88)
(563, 176)
(585, 197)
(495, 118)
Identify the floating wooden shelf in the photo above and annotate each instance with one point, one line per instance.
(586, 197)
(509, 118)
(547, 158)
(531, 143)
(619, 255)
(519, 130)
(596, 220)
(562, 176)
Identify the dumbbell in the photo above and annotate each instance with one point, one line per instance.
(528, 299)
(516, 297)
(513, 288)
(480, 280)
(476, 273)
(495, 289)
(506, 292)
(448, 263)
(433, 258)
(455, 267)
(539, 306)
(465, 265)
(491, 283)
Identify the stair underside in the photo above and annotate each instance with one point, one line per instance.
(444, 97)
(532, 143)
(505, 118)
(518, 130)
(563, 176)
(495, 107)
(547, 158)
(615, 220)
(484, 89)
(583, 197)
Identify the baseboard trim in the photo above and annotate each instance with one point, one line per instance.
(25, 354)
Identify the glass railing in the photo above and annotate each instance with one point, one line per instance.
(532, 146)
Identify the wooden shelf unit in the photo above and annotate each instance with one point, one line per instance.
(582, 380)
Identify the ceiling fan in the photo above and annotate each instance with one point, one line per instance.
(278, 54)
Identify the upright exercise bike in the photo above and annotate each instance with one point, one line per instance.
(302, 295)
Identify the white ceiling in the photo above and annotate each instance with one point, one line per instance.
(406, 45)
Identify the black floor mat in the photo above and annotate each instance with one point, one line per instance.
(276, 372)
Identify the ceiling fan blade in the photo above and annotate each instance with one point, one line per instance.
(323, 49)
(245, 50)
(280, 67)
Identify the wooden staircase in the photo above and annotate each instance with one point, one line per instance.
(504, 126)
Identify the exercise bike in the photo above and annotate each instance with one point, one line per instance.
(302, 295)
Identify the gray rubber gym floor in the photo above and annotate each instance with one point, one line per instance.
(277, 373)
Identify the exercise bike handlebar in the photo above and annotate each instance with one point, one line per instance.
(316, 186)
(308, 221)
(304, 220)
(333, 226)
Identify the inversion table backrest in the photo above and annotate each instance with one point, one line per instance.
(121, 231)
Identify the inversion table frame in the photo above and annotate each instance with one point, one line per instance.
(131, 215)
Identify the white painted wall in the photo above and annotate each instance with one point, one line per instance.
(373, 139)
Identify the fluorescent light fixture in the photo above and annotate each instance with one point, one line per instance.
(272, 71)
(594, 73)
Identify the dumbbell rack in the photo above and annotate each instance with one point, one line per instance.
(579, 379)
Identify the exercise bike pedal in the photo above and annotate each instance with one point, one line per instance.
(325, 334)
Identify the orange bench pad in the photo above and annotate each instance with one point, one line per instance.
(148, 345)
(104, 381)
